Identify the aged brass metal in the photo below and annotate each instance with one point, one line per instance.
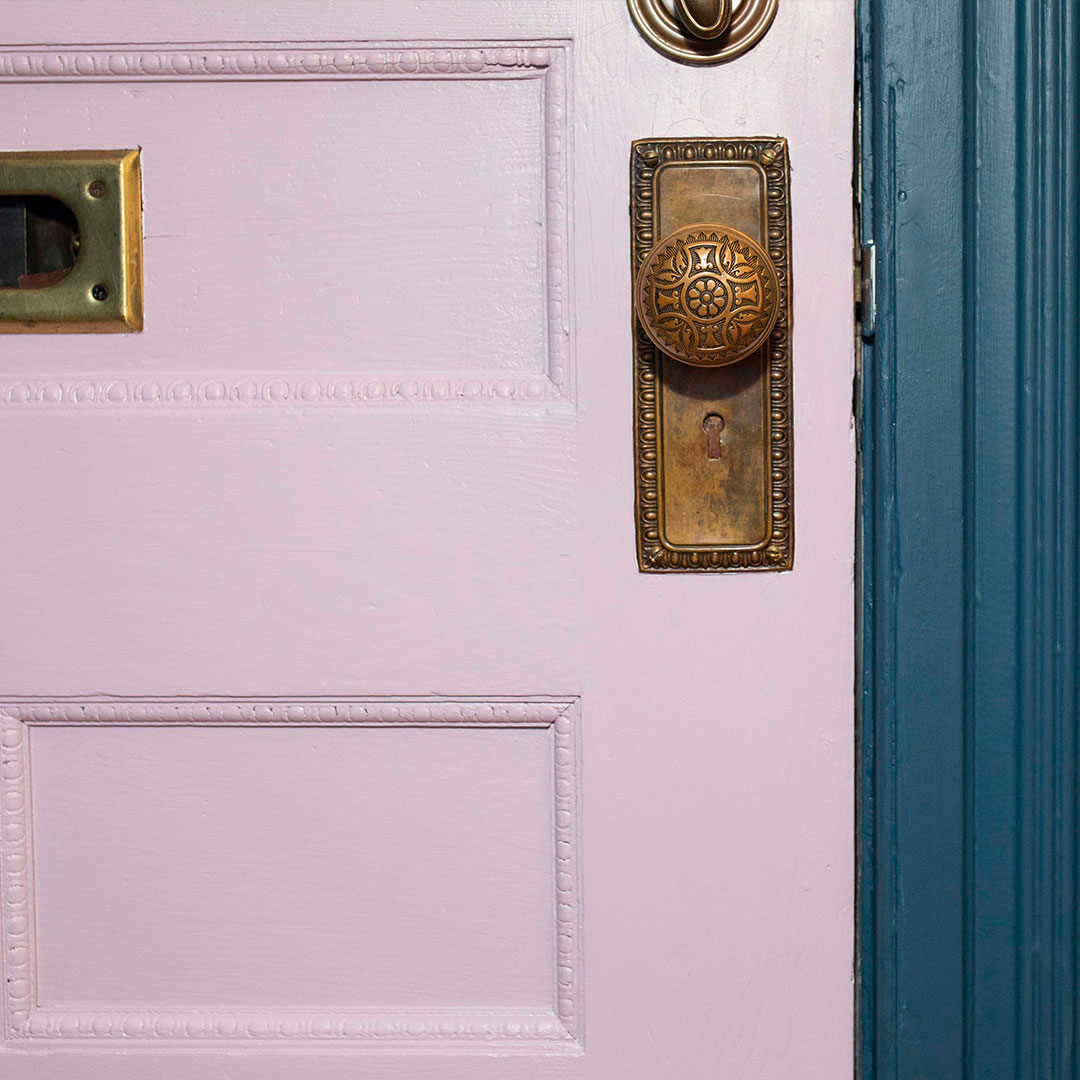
(705, 19)
(102, 290)
(711, 262)
(702, 31)
(707, 295)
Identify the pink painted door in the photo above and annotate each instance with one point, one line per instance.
(341, 735)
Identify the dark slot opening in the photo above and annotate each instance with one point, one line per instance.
(39, 241)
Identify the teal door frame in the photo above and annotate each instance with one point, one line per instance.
(970, 487)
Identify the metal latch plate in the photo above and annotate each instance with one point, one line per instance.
(101, 291)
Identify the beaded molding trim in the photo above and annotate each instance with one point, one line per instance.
(276, 389)
(557, 1029)
(546, 60)
(278, 60)
(776, 552)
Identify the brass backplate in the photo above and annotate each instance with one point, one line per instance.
(714, 496)
(102, 291)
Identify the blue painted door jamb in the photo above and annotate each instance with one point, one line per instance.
(969, 540)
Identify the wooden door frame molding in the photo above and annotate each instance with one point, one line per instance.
(969, 541)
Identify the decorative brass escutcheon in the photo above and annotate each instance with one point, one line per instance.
(711, 262)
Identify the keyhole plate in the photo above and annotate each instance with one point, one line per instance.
(696, 512)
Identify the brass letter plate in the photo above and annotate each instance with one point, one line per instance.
(711, 261)
(70, 242)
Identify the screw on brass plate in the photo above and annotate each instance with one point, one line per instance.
(713, 426)
(96, 189)
(99, 292)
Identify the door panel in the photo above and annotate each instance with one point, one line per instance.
(399, 855)
(342, 736)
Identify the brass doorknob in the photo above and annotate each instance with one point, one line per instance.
(707, 295)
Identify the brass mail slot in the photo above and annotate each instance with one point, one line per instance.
(711, 261)
(70, 242)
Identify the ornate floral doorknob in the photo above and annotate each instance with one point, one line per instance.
(707, 295)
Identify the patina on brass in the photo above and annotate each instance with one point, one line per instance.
(102, 292)
(707, 295)
(703, 31)
(713, 440)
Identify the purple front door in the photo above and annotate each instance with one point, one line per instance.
(341, 735)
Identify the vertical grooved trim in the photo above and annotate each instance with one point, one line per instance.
(970, 488)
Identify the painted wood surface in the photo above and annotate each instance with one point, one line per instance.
(325, 541)
(969, 437)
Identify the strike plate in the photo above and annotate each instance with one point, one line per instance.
(100, 192)
(713, 444)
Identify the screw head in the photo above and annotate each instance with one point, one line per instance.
(96, 189)
(99, 292)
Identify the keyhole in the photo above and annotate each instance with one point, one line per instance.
(713, 426)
